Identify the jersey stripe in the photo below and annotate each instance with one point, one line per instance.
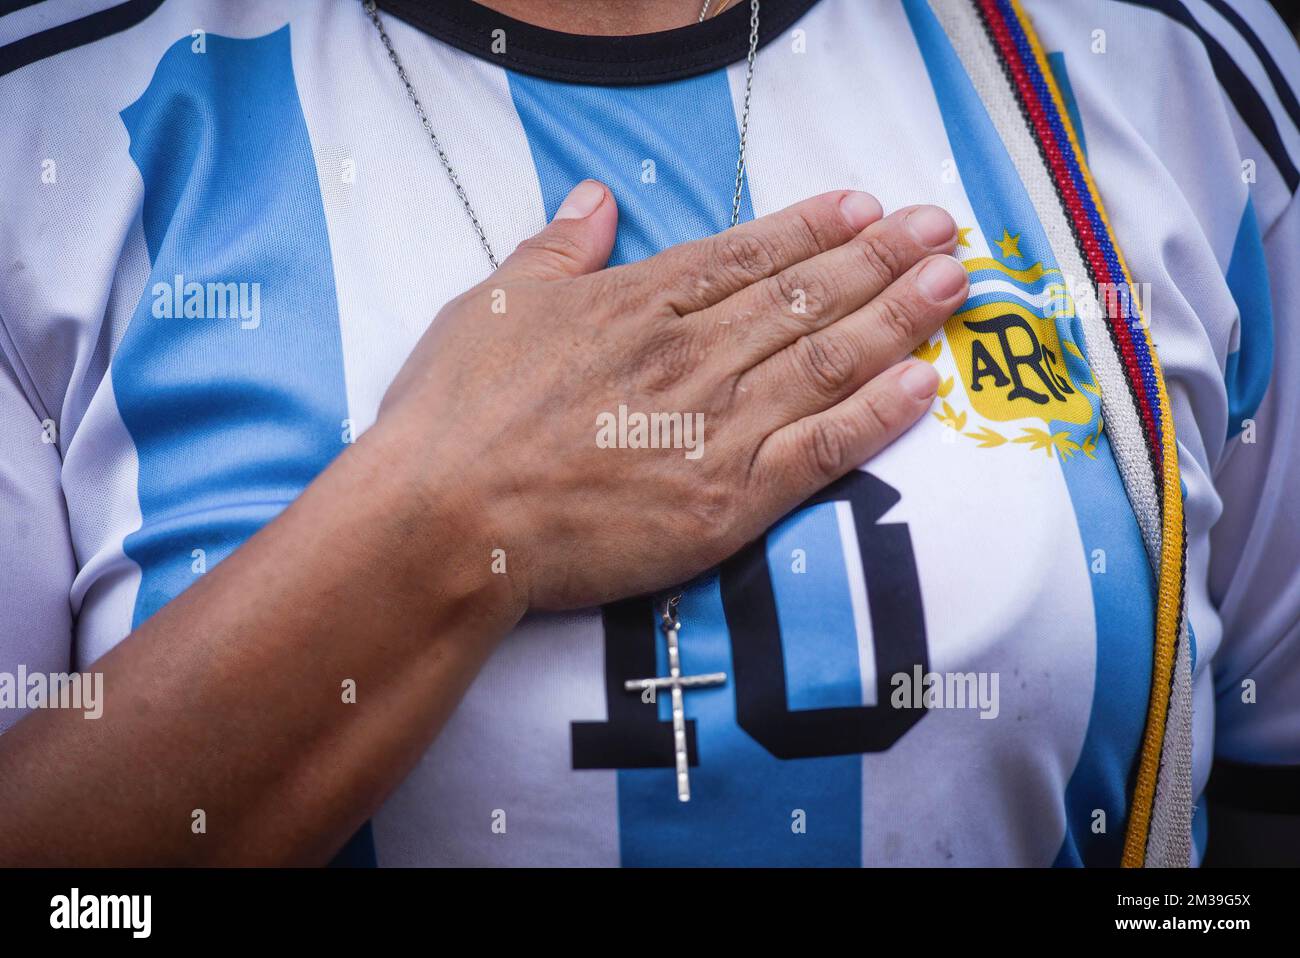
(640, 141)
(1235, 83)
(1123, 592)
(78, 33)
(10, 6)
(1275, 76)
(231, 417)
(1248, 369)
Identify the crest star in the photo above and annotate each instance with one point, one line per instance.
(1009, 245)
(963, 233)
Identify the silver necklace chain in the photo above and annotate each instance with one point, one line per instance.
(450, 170)
(428, 128)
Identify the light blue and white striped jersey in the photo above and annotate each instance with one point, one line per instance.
(222, 230)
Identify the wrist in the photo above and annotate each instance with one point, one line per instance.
(442, 532)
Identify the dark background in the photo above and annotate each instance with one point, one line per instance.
(1288, 10)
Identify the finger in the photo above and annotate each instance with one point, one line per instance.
(806, 456)
(822, 368)
(698, 274)
(772, 313)
(577, 241)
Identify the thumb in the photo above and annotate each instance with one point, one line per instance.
(577, 241)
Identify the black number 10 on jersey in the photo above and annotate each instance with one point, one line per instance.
(635, 737)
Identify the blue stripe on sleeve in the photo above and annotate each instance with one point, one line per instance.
(1248, 370)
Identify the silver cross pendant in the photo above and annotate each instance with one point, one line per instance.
(674, 680)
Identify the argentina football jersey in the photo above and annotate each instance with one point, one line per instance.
(218, 255)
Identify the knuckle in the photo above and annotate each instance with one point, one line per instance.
(746, 256)
(810, 289)
(808, 235)
(828, 447)
(827, 362)
(884, 260)
(688, 278)
(900, 321)
(669, 302)
(642, 288)
(875, 415)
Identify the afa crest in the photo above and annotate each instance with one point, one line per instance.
(1013, 364)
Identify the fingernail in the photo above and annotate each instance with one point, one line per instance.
(581, 201)
(860, 210)
(920, 380)
(931, 225)
(942, 277)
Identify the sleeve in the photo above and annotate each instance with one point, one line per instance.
(1254, 573)
(36, 555)
(1255, 545)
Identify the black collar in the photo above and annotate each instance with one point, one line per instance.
(608, 61)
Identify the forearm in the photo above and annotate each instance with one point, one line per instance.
(232, 698)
